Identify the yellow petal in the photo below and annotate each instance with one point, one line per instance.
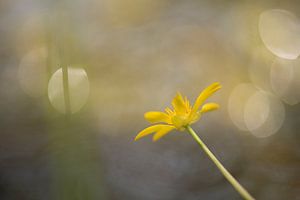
(178, 103)
(169, 112)
(187, 103)
(209, 107)
(149, 130)
(162, 132)
(155, 117)
(194, 118)
(207, 92)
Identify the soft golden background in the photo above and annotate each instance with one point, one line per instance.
(137, 54)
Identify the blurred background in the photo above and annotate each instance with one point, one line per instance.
(73, 139)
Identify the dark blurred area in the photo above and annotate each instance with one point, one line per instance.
(126, 57)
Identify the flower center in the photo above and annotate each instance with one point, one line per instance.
(180, 121)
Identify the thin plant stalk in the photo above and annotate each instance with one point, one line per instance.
(65, 76)
(239, 188)
(66, 89)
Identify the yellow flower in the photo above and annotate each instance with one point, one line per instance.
(182, 115)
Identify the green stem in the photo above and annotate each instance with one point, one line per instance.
(63, 53)
(243, 192)
(66, 89)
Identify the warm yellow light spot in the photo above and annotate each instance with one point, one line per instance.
(285, 80)
(78, 89)
(264, 114)
(279, 30)
(182, 115)
(237, 101)
(255, 110)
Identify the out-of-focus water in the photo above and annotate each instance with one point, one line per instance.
(126, 58)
